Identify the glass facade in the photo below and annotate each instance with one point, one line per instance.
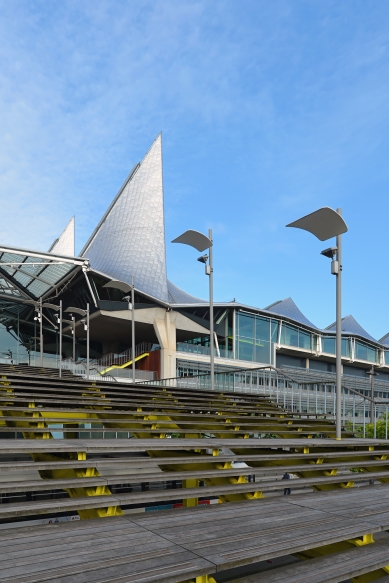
(293, 336)
(203, 349)
(11, 349)
(365, 352)
(255, 338)
(329, 346)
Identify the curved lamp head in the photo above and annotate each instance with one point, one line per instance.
(51, 306)
(76, 311)
(116, 284)
(194, 239)
(324, 223)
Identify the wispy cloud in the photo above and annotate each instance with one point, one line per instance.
(268, 110)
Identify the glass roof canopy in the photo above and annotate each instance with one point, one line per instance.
(26, 274)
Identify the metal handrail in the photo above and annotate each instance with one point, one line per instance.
(111, 358)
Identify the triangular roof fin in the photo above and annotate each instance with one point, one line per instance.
(130, 238)
(350, 325)
(288, 308)
(65, 244)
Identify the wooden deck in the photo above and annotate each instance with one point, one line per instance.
(173, 546)
(53, 459)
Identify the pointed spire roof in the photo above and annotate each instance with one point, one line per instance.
(64, 245)
(130, 238)
(350, 325)
(288, 308)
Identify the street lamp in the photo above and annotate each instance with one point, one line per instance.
(86, 327)
(59, 321)
(201, 243)
(126, 288)
(39, 318)
(39, 305)
(372, 374)
(326, 223)
(72, 321)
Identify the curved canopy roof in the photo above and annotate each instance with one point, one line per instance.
(31, 274)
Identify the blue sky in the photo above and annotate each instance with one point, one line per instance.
(269, 110)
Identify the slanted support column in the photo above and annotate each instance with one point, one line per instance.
(166, 334)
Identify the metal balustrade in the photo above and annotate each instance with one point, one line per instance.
(111, 358)
(299, 392)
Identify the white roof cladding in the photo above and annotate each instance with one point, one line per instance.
(130, 238)
(178, 296)
(64, 245)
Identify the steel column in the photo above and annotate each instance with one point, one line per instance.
(339, 334)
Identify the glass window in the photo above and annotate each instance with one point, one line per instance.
(371, 354)
(387, 357)
(328, 345)
(246, 349)
(290, 335)
(361, 351)
(364, 352)
(246, 326)
(10, 348)
(304, 340)
(262, 351)
(346, 347)
(274, 331)
(262, 328)
(253, 337)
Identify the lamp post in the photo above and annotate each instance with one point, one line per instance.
(39, 305)
(372, 374)
(72, 322)
(326, 223)
(86, 327)
(201, 243)
(59, 321)
(126, 288)
(38, 318)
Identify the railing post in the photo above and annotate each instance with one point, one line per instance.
(364, 417)
(343, 394)
(325, 399)
(375, 420)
